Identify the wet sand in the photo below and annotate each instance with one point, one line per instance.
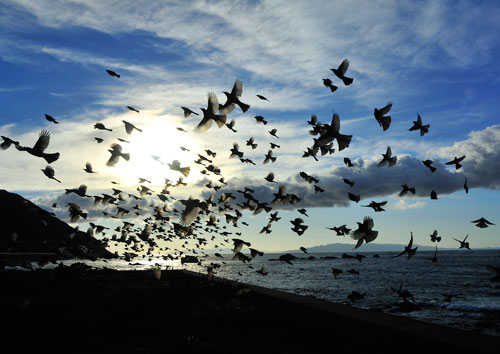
(82, 310)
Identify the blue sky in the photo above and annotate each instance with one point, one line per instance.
(436, 58)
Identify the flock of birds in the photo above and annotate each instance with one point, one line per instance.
(164, 222)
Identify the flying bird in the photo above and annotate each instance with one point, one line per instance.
(466, 186)
(417, 125)
(464, 243)
(380, 115)
(354, 197)
(348, 162)
(406, 189)
(230, 125)
(238, 244)
(331, 132)
(133, 109)
(263, 98)
(376, 206)
(328, 83)
(209, 115)
(260, 119)
(273, 132)
(51, 119)
(364, 232)
(233, 99)
(250, 142)
(482, 223)
(341, 70)
(116, 153)
(303, 249)
(434, 195)
(270, 177)
(435, 237)
(428, 164)
(129, 127)
(88, 168)
(456, 161)
(269, 157)
(50, 173)
(188, 112)
(273, 146)
(176, 166)
(39, 148)
(99, 140)
(7, 142)
(408, 249)
(112, 73)
(235, 151)
(101, 126)
(191, 210)
(388, 158)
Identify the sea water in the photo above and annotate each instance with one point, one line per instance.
(475, 302)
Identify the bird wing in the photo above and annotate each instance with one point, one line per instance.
(411, 240)
(213, 103)
(336, 122)
(385, 109)
(370, 236)
(88, 166)
(113, 160)
(389, 152)
(43, 141)
(189, 215)
(116, 147)
(237, 88)
(49, 171)
(128, 127)
(204, 125)
(460, 158)
(343, 66)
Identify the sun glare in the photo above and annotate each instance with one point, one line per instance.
(153, 149)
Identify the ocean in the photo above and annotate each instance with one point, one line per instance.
(461, 274)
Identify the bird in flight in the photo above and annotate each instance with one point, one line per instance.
(329, 132)
(348, 162)
(7, 142)
(364, 232)
(428, 164)
(101, 126)
(380, 115)
(388, 158)
(176, 166)
(340, 72)
(112, 73)
(133, 109)
(209, 115)
(328, 83)
(188, 112)
(456, 161)
(88, 168)
(417, 125)
(50, 173)
(116, 153)
(406, 189)
(408, 249)
(51, 119)
(263, 98)
(260, 119)
(435, 237)
(482, 223)
(233, 99)
(39, 148)
(464, 243)
(129, 127)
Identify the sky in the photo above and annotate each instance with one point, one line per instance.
(437, 59)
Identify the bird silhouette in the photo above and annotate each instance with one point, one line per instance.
(331, 132)
(388, 158)
(263, 98)
(364, 232)
(129, 127)
(39, 148)
(260, 119)
(51, 119)
(88, 168)
(250, 142)
(191, 210)
(233, 99)
(273, 132)
(270, 177)
(269, 157)
(380, 115)
(133, 109)
(188, 112)
(376, 206)
(75, 212)
(435, 237)
(348, 162)
(116, 153)
(433, 195)
(273, 145)
(176, 166)
(235, 151)
(408, 249)
(209, 115)
(456, 161)
(101, 126)
(466, 186)
(406, 189)
(238, 244)
(99, 140)
(340, 72)
(303, 249)
(482, 223)
(417, 125)
(354, 197)
(464, 243)
(112, 73)
(50, 173)
(328, 83)
(230, 125)
(7, 142)
(428, 164)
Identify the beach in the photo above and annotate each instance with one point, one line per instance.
(80, 309)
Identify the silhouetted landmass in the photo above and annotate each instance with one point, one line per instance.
(26, 228)
(82, 310)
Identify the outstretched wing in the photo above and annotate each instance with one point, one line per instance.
(336, 122)
(385, 109)
(237, 88)
(204, 125)
(213, 103)
(43, 141)
(343, 66)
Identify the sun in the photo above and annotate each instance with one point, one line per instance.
(151, 150)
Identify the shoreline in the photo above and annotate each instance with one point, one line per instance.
(57, 307)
